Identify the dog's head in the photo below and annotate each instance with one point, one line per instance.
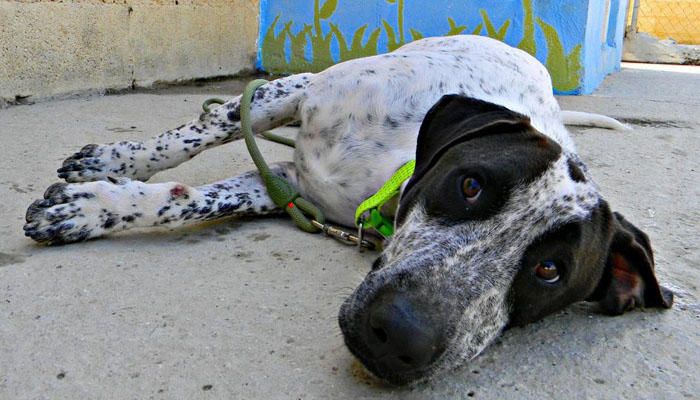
(497, 227)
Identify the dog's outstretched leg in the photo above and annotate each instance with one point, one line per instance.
(274, 104)
(80, 211)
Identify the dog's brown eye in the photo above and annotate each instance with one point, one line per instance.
(547, 271)
(471, 188)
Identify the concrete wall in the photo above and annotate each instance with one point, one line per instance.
(50, 48)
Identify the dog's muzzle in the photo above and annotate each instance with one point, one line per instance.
(401, 334)
(397, 331)
(396, 336)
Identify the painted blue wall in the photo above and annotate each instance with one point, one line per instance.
(577, 22)
(603, 45)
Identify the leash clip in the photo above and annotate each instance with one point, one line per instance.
(345, 237)
(360, 234)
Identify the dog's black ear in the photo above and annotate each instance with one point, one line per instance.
(629, 280)
(454, 116)
(457, 118)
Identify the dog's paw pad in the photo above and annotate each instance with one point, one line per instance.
(36, 208)
(98, 162)
(57, 192)
(68, 213)
(87, 164)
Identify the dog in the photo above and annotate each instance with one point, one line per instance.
(499, 225)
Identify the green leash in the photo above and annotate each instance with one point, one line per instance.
(280, 191)
(267, 135)
(371, 208)
(286, 197)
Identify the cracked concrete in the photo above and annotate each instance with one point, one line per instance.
(247, 308)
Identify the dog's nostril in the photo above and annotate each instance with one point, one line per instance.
(406, 359)
(380, 334)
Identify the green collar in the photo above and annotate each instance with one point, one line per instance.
(369, 212)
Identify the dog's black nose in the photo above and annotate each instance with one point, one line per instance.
(402, 334)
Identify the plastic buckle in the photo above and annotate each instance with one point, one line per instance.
(380, 223)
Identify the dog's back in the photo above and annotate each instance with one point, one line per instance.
(403, 85)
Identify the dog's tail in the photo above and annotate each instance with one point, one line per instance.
(580, 118)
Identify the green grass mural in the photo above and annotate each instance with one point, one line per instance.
(286, 51)
(357, 49)
(528, 43)
(491, 31)
(565, 69)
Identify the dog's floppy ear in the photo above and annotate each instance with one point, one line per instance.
(456, 118)
(629, 279)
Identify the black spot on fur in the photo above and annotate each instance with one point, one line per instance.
(109, 223)
(390, 122)
(575, 172)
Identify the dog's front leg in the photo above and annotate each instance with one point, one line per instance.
(141, 160)
(274, 104)
(76, 212)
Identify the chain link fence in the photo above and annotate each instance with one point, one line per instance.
(678, 20)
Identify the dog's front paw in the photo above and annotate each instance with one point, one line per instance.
(96, 162)
(72, 213)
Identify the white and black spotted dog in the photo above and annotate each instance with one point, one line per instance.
(500, 224)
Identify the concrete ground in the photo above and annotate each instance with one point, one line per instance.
(247, 309)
